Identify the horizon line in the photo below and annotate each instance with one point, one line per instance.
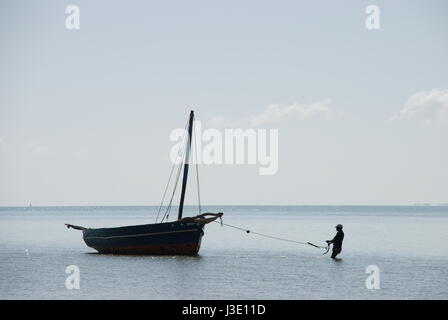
(243, 205)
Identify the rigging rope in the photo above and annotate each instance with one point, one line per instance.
(179, 154)
(274, 237)
(166, 189)
(168, 209)
(197, 169)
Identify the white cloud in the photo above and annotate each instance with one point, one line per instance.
(428, 106)
(275, 113)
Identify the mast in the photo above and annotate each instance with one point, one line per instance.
(186, 165)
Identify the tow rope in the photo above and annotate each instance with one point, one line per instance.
(326, 248)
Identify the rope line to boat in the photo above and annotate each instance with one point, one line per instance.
(327, 248)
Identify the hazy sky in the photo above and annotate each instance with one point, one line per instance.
(86, 115)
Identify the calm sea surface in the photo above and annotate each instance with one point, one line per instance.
(409, 245)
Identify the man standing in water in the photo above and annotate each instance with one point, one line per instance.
(337, 241)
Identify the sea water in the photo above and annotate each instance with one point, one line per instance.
(406, 245)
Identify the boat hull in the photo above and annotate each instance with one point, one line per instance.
(171, 238)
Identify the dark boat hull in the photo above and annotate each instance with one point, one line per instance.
(171, 238)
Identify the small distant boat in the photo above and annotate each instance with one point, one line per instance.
(180, 237)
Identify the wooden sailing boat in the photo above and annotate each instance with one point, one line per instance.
(181, 237)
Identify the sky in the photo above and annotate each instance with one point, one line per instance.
(86, 115)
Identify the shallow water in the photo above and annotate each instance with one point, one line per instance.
(408, 244)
